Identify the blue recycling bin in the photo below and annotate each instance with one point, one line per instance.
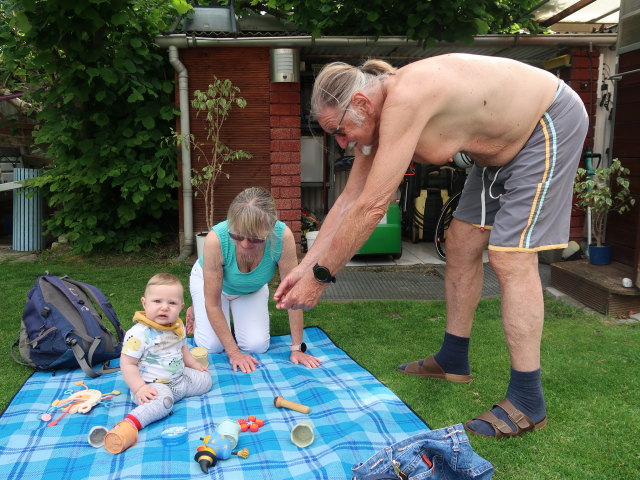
(27, 214)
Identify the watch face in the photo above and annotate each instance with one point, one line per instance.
(303, 347)
(322, 274)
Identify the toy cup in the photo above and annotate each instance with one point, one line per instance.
(229, 430)
(96, 436)
(201, 355)
(302, 434)
(121, 437)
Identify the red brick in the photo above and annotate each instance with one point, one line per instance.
(285, 109)
(280, 157)
(285, 133)
(284, 204)
(283, 180)
(292, 121)
(289, 215)
(285, 157)
(280, 109)
(285, 145)
(289, 192)
(284, 87)
(285, 97)
(290, 169)
(288, 204)
(285, 169)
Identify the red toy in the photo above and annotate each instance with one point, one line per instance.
(252, 423)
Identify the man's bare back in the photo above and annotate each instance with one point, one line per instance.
(488, 109)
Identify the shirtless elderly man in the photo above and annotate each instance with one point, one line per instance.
(525, 131)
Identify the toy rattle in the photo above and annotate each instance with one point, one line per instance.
(215, 447)
(81, 401)
(280, 402)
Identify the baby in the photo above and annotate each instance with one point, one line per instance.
(155, 362)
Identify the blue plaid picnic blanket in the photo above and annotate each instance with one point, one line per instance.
(352, 413)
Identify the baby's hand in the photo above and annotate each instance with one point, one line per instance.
(146, 394)
(200, 367)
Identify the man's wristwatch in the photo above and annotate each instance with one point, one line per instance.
(322, 274)
(301, 347)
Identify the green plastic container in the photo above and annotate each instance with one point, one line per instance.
(387, 236)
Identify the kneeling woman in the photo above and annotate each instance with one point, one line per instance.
(231, 281)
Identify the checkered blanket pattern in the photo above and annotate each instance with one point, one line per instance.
(353, 415)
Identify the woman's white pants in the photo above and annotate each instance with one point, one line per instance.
(250, 314)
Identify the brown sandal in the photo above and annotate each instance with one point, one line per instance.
(428, 367)
(503, 429)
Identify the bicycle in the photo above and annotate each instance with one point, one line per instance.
(444, 220)
(462, 161)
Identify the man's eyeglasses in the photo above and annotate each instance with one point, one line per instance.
(239, 238)
(337, 132)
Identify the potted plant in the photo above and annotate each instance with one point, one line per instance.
(599, 192)
(216, 103)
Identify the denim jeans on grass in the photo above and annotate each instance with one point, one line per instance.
(434, 455)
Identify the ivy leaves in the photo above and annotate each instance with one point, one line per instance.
(106, 99)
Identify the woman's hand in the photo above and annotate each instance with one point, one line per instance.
(308, 361)
(246, 363)
(146, 393)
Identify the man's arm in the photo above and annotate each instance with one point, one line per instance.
(330, 225)
(397, 143)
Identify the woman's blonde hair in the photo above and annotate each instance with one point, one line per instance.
(338, 81)
(252, 213)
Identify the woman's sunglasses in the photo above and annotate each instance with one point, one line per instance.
(239, 238)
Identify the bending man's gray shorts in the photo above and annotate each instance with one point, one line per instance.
(527, 202)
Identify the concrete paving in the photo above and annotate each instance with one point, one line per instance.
(417, 275)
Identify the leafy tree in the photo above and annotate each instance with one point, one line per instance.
(424, 20)
(103, 93)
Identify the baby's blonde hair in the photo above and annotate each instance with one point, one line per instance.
(163, 279)
(338, 81)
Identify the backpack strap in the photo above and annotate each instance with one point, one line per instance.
(100, 299)
(16, 357)
(82, 361)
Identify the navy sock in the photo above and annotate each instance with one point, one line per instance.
(525, 392)
(453, 355)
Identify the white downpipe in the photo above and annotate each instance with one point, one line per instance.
(187, 192)
(588, 228)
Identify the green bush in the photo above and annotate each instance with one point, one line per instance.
(102, 93)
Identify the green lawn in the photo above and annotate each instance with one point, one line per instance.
(591, 366)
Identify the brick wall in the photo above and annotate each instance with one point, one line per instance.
(582, 76)
(285, 152)
(268, 128)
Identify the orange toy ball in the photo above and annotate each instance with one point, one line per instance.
(252, 418)
(244, 427)
(254, 427)
(260, 422)
(241, 421)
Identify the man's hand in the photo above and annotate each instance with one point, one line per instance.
(301, 293)
(309, 361)
(246, 363)
(288, 283)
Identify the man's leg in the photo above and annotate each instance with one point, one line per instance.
(522, 320)
(463, 288)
